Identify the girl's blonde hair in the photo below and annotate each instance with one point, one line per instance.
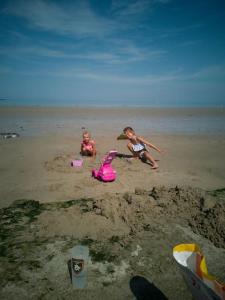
(86, 132)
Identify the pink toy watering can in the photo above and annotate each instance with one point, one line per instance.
(106, 173)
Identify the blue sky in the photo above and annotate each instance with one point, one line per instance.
(145, 52)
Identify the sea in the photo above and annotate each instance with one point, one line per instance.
(36, 121)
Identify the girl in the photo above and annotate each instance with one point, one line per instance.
(137, 146)
(88, 145)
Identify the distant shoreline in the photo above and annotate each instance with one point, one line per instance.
(160, 107)
(124, 106)
(115, 112)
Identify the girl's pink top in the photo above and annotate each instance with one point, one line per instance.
(88, 146)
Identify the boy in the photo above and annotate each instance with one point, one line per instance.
(137, 146)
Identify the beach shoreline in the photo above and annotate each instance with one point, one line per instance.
(34, 121)
(196, 110)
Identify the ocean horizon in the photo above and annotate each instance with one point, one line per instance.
(108, 104)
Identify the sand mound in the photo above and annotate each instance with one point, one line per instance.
(204, 213)
(129, 213)
(59, 163)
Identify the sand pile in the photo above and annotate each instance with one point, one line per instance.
(204, 213)
(59, 163)
(123, 215)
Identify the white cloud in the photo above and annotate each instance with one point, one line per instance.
(86, 74)
(130, 8)
(25, 52)
(176, 75)
(123, 55)
(118, 53)
(134, 8)
(214, 72)
(189, 43)
(171, 32)
(162, 1)
(77, 19)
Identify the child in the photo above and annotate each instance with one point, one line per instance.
(88, 145)
(137, 146)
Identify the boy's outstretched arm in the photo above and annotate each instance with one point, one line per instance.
(149, 144)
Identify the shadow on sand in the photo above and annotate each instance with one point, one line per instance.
(122, 155)
(144, 290)
(129, 157)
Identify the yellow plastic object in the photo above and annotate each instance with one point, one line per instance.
(193, 266)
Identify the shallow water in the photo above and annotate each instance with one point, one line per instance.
(36, 122)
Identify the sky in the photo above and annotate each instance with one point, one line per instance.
(112, 52)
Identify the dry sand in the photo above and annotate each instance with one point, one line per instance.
(130, 225)
(39, 168)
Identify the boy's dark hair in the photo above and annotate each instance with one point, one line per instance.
(128, 129)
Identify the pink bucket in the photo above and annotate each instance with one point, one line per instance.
(77, 163)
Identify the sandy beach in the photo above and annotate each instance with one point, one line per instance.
(119, 217)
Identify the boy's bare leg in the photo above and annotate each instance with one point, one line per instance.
(151, 159)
